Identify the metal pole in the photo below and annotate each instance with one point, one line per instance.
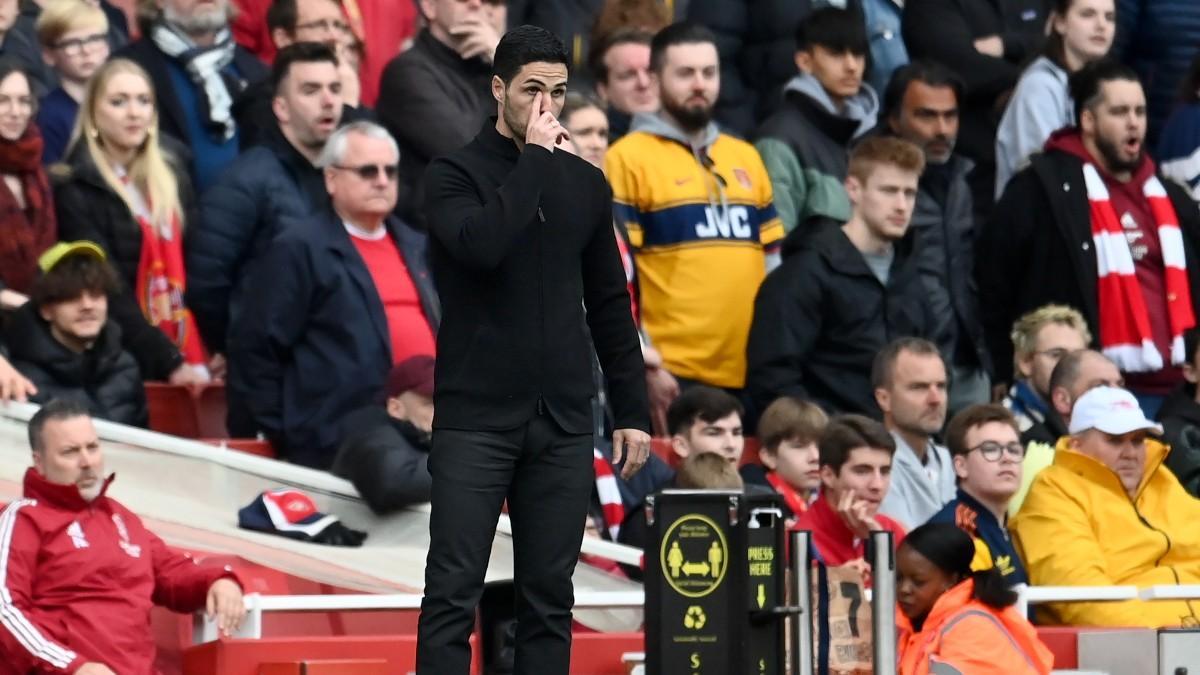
(801, 596)
(883, 602)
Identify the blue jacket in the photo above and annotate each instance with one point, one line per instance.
(312, 344)
(993, 546)
(1158, 39)
(1179, 148)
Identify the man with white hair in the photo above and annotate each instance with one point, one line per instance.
(1108, 512)
(198, 73)
(335, 302)
(79, 572)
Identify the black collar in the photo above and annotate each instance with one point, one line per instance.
(494, 141)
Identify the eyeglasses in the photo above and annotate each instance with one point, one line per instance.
(991, 450)
(372, 171)
(76, 46)
(323, 24)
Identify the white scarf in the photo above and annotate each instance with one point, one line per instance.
(203, 66)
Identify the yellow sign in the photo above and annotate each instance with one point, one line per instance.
(694, 618)
(694, 556)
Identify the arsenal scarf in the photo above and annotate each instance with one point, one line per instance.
(609, 493)
(1125, 335)
(160, 287)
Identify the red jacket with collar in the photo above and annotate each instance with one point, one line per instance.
(835, 542)
(78, 579)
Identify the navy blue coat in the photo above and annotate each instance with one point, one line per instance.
(1158, 38)
(312, 345)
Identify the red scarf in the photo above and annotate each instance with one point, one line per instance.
(1125, 334)
(610, 495)
(160, 288)
(791, 497)
(24, 233)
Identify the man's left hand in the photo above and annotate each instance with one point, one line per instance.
(634, 446)
(225, 605)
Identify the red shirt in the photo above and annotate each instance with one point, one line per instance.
(407, 326)
(835, 543)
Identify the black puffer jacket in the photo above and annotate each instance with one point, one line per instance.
(386, 459)
(1180, 417)
(89, 209)
(104, 377)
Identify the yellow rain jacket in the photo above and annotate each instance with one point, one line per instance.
(1078, 527)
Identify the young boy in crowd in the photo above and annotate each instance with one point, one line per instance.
(74, 39)
(789, 430)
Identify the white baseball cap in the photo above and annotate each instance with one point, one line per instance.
(1111, 410)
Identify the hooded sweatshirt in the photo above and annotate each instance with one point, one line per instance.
(804, 146)
(692, 207)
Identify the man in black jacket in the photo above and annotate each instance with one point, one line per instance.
(1051, 238)
(267, 185)
(333, 304)
(527, 267)
(1180, 417)
(820, 318)
(64, 343)
(434, 96)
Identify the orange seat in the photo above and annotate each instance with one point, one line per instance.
(172, 409)
(211, 408)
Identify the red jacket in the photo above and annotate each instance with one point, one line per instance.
(835, 543)
(77, 582)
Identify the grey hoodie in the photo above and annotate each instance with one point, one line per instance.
(863, 106)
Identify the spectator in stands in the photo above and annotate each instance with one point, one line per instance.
(74, 39)
(720, 216)
(1040, 339)
(1077, 526)
(707, 471)
(19, 44)
(27, 219)
(264, 188)
(985, 43)
(1179, 144)
(804, 144)
(791, 464)
(64, 343)
(334, 303)
(909, 378)
(1158, 39)
(1091, 225)
(958, 618)
(124, 188)
(1081, 31)
(198, 73)
(987, 450)
(921, 105)
(434, 97)
(706, 419)
(620, 65)
(856, 465)
(822, 316)
(82, 572)
(1180, 417)
(385, 448)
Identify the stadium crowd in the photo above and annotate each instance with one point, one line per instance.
(940, 258)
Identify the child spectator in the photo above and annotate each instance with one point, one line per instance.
(789, 430)
(74, 39)
(707, 471)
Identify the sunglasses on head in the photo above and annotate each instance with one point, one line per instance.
(371, 171)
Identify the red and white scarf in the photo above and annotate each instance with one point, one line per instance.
(610, 495)
(1125, 335)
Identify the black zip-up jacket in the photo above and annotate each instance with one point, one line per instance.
(521, 243)
(1180, 417)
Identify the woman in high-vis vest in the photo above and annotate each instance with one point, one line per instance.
(954, 621)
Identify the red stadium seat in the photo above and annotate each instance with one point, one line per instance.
(172, 410)
(210, 410)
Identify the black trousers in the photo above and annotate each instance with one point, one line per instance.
(546, 475)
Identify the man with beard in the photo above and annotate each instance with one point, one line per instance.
(198, 74)
(909, 377)
(1090, 224)
(525, 259)
(698, 208)
(921, 105)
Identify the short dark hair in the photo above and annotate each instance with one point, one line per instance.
(600, 48)
(836, 29)
(951, 550)
(975, 416)
(283, 14)
(72, 277)
(299, 52)
(1087, 83)
(1066, 371)
(700, 402)
(524, 45)
(928, 72)
(846, 433)
(54, 409)
(682, 33)
(885, 361)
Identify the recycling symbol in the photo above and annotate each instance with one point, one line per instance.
(694, 618)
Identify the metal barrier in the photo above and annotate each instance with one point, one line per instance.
(801, 624)
(883, 602)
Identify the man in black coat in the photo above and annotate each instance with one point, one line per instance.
(821, 316)
(1040, 246)
(335, 302)
(527, 267)
(64, 343)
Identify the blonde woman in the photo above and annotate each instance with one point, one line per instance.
(121, 188)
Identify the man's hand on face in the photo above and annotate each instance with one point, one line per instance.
(543, 129)
(854, 513)
(476, 38)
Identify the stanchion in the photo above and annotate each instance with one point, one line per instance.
(801, 597)
(883, 602)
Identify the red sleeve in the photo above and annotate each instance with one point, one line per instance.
(180, 583)
(23, 643)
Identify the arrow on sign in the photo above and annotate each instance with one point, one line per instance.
(762, 596)
(695, 568)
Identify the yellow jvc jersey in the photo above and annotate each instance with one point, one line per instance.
(698, 231)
